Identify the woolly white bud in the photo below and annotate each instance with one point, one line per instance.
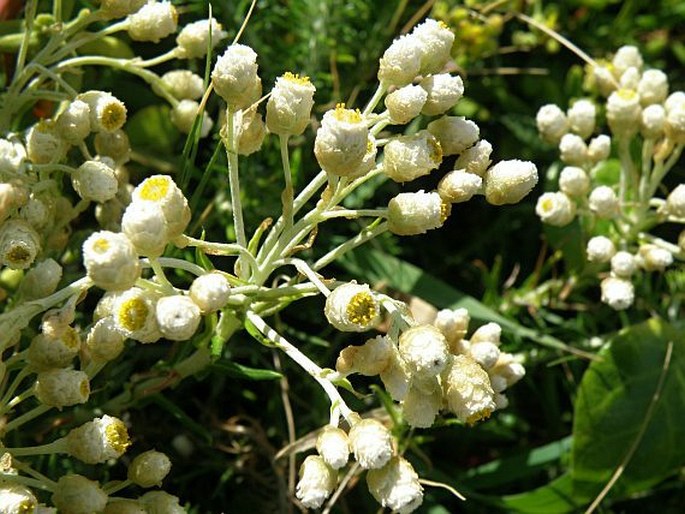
(250, 131)
(341, 141)
(210, 292)
(113, 144)
(290, 105)
(111, 260)
(409, 157)
(395, 376)
(44, 145)
(162, 190)
(675, 123)
(134, 315)
(19, 244)
(177, 317)
(184, 84)
(675, 202)
(145, 226)
(107, 113)
(475, 159)
(94, 180)
(654, 258)
(12, 154)
(424, 349)
(39, 212)
(552, 123)
(508, 182)
(555, 209)
(623, 264)
(12, 196)
(75, 494)
(352, 307)
(99, 440)
(62, 387)
(581, 118)
(626, 57)
(317, 481)
(455, 133)
(653, 87)
(508, 368)
(617, 293)
(415, 213)
(369, 359)
(603, 202)
(600, 249)
(333, 446)
(104, 341)
(623, 112)
(183, 116)
(467, 389)
(154, 21)
(405, 104)
(124, 507)
(235, 76)
(396, 486)
(490, 332)
(16, 499)
(160, 502)
(372, 443)
(54, 350)
(401, 62)
(630, 79)
(149, 469)
(444, 91)
(436, 41)
(420, 408)
(453, 324)
(41, 280)
(194, 38)
(73, 124)
(599, 148)
(653, 121)
(484, 353)
(573, 181)
(674, 101)
(604, 78)
(573, 150)
(459, 186)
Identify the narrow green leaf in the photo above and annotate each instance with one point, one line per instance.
(236, 370)
(557, 497)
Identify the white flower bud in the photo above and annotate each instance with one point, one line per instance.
(41, 280)
(599, 148)
(581, 118)
(111, 260)
(53, 351)
(114, 145)
(94, 180)
(372, 443)
(674, 101)
(653, 121)
(98, 440)
(369, 359)
(573, 150)
(162, 190)
(424, 349)
(675, 202)
(654, 258)
(210, 292)
(194, 38)
(44, 145)
(396, 486)
(395, 376)
(107, 113)
(177, 317)
(12, 196)
(124, 507)
(289, 107)
(501, 401)
(436, 41)
(653, 87)
(459, 186)
(134, 315)
(455, 133)
(453, 324)
(235, 76)
(604, 78)
(75, 494)
(19, 244)
(600, 249)
(675, 123)
(401, 62)
(508, 368)
(552, 123)
(476, 159)
(490, 332)
(626, 57)
(623, 264)
(555, 209)
(508, 182)
(149, 469)
(62, 387)
(573, 181)
(73, 124)
(333, 446)
(317, 481)
(184, 84)
(630, 79)
(407, 158)
(160, 502)
(154, 21)
(444, 91)
(39, 211)
(352, 307)
(183, 116)
(420, 408)
(484, 353)
(603, 202)
(145, 226)
(341, 141)
(17, 499)
(467, 389)
(405, 103)
(415, 213)
(12, 154)
(624, 112)
(104, 341)
(617, 293)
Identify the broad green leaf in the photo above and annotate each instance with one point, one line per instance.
(613, 399)
(236, 370)
(556, 497)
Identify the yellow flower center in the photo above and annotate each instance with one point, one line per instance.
(626, 94)
(26, 506)
(347, 115)
(435, 150)
(117, 436)
(18, 254)
(70, 338)
(84, 388)
(154, 188)
(295, 77)
(113, 116)
(445, 210)
(547, 205)
(101, 245)
(477, 416)
(133, 313)
(362, 309)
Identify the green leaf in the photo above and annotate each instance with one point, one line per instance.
(607, 173)
(182, 417)
(557, 497)
(613, 400)
(151, 128)
(108, 46)
(236, 370)
(570, 241)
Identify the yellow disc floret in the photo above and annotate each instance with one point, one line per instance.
(347, 115)
(362, 309)
(155, 188)
(133, 313)
(117, 436)
(295, 77)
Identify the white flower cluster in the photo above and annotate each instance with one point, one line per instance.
(639, 110)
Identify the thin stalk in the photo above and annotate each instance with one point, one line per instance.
(234, 183)
(288, 195)
(58, 446)
(365, 235)
(25, 418)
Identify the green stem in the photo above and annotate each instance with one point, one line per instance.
(365, 235)
(288, 195)
(25, 418)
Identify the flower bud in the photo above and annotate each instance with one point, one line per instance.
(476, 159)
(409, 157)
(626, 57)
(41, 280)
(581, 118)
(369, 359)
(552, 123)
(118, 8)
(250, 131)
(333, 446)
(149, 469)
(603, 77)
(653, 87)
(104, 341)
(405, 103)
(210, 292)
(177, 317)
(623, 112)
(623, 264)
(401, 62)
(352, 307)
(289, 107)
(44, 145)
(235, 76)
(508, 182)
(600, 249)
(573, 150)
(603, 202)
(134, 315)
(62, 387)
(675, 202)
(194, 38)
(75, 494)
(95, 180)
(599, 148)
(630, 79)
(459, 186)
(617, 293)
(371, 443)
(341, 141)
(444, 91)
(99, 440)
(555, 209)
(73, 124)
(19, 244)
(490, 332)
(114, 145)
(654, 258)
(317, 481)
(162, 190)
(396, 486)
(111, 261)
(183, 116)
(675, 123)
(184, 84)
(484, 353)
(420, 408)
(154, 21)
(415, 213)
(467, 389)
(53, 351)
(453, 324)
(144, 224)
(107, 113)
(160, 502)
(424, 349)
(435, 40)
(395, 376)
(12, 196)
(574, 181)
(653, 121)
(455, 133)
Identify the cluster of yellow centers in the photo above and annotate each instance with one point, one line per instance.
(347, 115)
(155, 188)
(362, 309)
(113, 116)
(117, 436)
(295, 77)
